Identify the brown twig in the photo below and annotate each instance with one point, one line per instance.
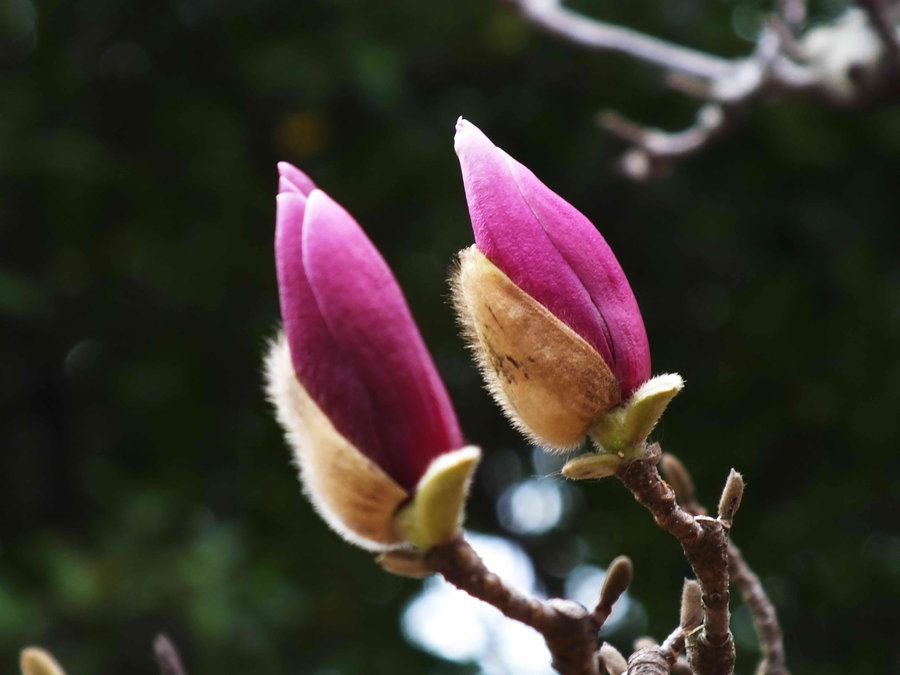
(705, 543)
(167, 657)
(568, 628)
(765, 618)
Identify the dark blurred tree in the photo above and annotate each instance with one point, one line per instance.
(144, 483)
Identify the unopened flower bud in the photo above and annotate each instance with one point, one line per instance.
(548, 311)
(354, 386)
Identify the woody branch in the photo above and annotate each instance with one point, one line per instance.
(570, 630)
(705, 543)
(765, 618)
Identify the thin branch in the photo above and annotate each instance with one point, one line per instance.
(654, 149)
(787, 35)
(167, 657)
(568, 628)
(556, 19)
(705, 544)
(792, 12)
(765, 618)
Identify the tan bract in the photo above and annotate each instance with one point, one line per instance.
(37, 661)
(549, 381)
(404, 562)
(351, 493)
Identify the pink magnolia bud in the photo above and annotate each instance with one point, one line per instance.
(570, 344)
(352, 380)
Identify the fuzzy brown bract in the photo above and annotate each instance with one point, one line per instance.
(550, 382)
(352, 494)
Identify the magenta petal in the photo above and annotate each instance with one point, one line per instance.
(554, 253)
(292, 179)
(324, 370)
(373, 331)
(284, 185)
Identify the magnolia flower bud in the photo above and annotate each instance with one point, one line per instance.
(548, 310)
(354, 387)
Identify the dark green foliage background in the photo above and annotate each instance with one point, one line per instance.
(143, 482)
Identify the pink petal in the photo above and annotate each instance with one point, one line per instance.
(292, 179)
(372, 332)
(325, 372)
(554, 253)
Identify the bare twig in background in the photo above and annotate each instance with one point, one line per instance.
(553, 17)
(167, 657)
(765, 618)
(568, 628)
(854, 61)
(792, 12)
(704, 540)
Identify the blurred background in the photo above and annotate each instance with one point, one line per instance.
(144, 486)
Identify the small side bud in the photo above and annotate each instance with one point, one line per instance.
(618, 578)
(731, 497)
(37, 661)
(629, 426)
(404, 563)
(691, 606)
(612, 660)
(434, 516)
(677, 475)
(592, 466)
